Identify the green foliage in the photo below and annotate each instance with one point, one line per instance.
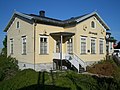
(4, 50)
(63, 80)
(22, 79)
(2, 75)
(69, 79)
(8, 67)
(82, 82)
(31, 80)
(107, 68)
(103, 67)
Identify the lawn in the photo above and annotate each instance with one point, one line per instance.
(11, 78)
(31, 80)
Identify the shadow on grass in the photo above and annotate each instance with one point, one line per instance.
(44, 87)
(41, 84)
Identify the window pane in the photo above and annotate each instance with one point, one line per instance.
(93, 46)
(11, 46)
(41, 39)
(17, 24)
(24, 45)
(93, 24)
(45, 39)
(43, 45)
(101, 46)
(83, 45)
(57, 46)
(70, 46)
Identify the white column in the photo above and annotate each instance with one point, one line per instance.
(61, 37)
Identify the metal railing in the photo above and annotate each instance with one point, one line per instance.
(81, 62)
(76, 61)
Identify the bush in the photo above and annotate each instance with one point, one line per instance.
(8, 67)
(32, 80)
(105, 67)
(2, 76)
(21, 79)
(82, 82)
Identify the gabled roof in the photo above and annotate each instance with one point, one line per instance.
(13, 17)
(56, 22)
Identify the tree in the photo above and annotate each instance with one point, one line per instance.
(118, 45)
(4, 50)
(8, 65)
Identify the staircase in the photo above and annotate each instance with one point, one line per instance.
(76, 62)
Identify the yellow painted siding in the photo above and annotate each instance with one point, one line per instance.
(78, 30)
(72, 30)
(26, 29)
(40, 29)
(100, 34)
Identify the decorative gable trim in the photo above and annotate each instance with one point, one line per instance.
(97, 17)
(54, 22)
(13, 17)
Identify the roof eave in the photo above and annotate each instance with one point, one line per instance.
(12, 18)
(105, 25)
(91, 14)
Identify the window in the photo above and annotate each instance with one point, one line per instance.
(57, 46)
(93, 24)
(18, 24)
(92, 46)
(43, 45)
(101, 46)
(24, 45)
(70, 46)
(83, 45)
(11, 46)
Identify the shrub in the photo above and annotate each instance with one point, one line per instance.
(32, 80)
(8, 67)
(21, 79)
(82, 82)
(106, 68)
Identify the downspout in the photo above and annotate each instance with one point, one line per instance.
(34, 33)
(61, 37)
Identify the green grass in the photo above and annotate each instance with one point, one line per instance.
(22, 79)
(13, 79)
(32, 80)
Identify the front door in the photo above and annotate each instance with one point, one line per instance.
(70, 46)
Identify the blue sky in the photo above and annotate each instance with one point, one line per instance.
(63, 9)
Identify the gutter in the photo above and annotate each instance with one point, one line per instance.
(34, 33)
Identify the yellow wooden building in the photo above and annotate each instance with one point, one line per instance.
(44, 43)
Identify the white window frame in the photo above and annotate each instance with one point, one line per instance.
(83, 37)
(102, 46)
(91, 47)
(18, 22)
(11, 42)
(67, 46)
(47, 45)
(24, 37)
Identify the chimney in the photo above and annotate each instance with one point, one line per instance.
(42, 13)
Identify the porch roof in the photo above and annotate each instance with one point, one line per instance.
(64, 34)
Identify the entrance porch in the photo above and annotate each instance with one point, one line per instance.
(60, 38)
